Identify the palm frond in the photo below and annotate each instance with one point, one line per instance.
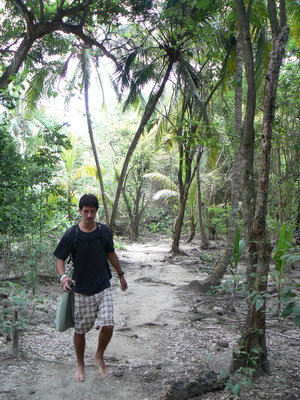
(228, 69)
(165, 195)
(140, 78)
(293, 12)
(262, 56)
(164, 180)
(38, 88)
(88, 171)
(188, 75)
(122, 74)
(211, 177)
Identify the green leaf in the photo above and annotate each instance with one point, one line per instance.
(236, 389)
(288, 310)
(236, 252)
(255, 350)
(259, 303)
(297, 320)
(296, 310)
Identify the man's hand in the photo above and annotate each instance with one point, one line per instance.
(65, 284)
(123, 283)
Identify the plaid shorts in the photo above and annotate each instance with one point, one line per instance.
(97, 310)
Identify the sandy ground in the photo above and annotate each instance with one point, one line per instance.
(157, 339)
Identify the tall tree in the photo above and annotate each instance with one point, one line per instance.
(85, 63)
(252, 351)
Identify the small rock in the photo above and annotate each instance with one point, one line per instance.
(218, 310)
(223, 343)
(119, 374)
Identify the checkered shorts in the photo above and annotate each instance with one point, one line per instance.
(97, 310)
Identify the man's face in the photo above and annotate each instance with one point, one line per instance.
(88, 214)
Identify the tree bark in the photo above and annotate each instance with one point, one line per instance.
(178, 225)
(248, 134)
(193, 230)
(252, 350)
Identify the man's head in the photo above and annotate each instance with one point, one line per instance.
(88, 206)
(88, 200)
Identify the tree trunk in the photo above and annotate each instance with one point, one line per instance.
(150, 107)
(248, 134)
(203, 236)
(193, 230)
(252, 351)
(90, 129)
(178, 225)
(137, 214)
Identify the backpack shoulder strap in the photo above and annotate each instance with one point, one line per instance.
(75, 240)
(99, 226)
(76, 236)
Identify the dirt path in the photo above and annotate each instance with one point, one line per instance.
(162, 334)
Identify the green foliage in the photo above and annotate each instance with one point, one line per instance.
(283, 245)
(218, 219)
(242, 378)
(258, 299)
(239, 246)
(293, 307)
(288, 297)
(281, 256)
(17, 300)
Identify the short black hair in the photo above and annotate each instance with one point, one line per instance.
(88, 200)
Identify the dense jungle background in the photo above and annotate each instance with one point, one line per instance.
(183, 118)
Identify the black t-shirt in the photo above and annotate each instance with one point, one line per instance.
(90, 261)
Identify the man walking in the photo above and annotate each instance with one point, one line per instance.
(90, 244)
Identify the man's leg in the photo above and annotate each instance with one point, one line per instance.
(79, 344)
(104, 338)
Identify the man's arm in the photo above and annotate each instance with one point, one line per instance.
(114, 260)
(60, 267)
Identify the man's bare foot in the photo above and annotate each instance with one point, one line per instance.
(102, 367)
(79, 375)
